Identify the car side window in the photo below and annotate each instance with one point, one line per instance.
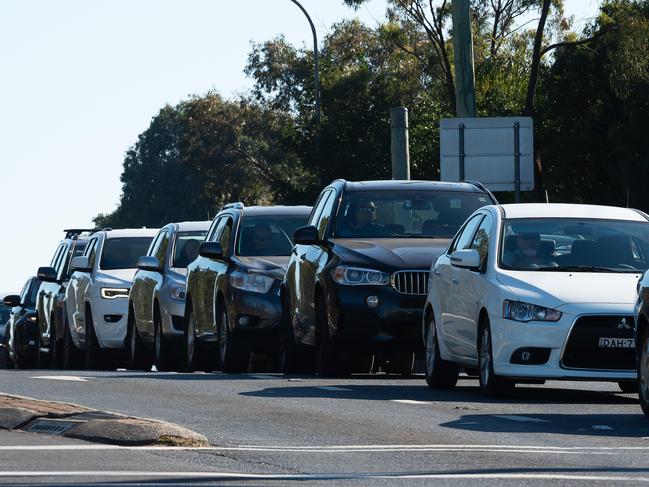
(24, 294)
(464, 239)
(161, 252)
(91, 252)
(57, 256)
(481, 239)
(325, 215)
(153, 248)
(317, 209)
(212, 233)
(224, 236)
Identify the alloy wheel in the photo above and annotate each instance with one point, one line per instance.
(485, 357)
(430, 349)
(223, 337)
(191, 339)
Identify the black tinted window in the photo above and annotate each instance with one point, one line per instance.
(416, 213)
(268, 235)
(123, 252)
(4, 314)
(186, 249)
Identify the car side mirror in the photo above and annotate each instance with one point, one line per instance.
(308, 235)
(47, 274)
(467, 259)
(81, 264)
(211, 250)
(11, 300)
(148, 263)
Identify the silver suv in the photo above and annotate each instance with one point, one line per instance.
(157, 297)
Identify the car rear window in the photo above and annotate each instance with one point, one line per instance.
(123, 252)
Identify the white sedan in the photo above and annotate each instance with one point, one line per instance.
(529, 292)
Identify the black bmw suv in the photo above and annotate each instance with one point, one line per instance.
(357, 278)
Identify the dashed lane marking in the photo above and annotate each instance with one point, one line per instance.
(411, 401)
(333, 476)
(69, 378)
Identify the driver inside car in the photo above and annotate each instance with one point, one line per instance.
(362, 220)
(526, 250)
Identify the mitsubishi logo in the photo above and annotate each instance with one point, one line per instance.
(623, 325)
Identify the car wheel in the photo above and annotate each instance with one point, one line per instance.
(163, 357)
(71, 354)
(231, 358)
(440, 374)
(628, 386)
(136, 352)
(643, 371)
(56, 347)
(490, 383)
(190, 348)
(327, 363)
(292, 358)
(93, 352)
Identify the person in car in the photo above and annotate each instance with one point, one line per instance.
(189, 252)
(525, 250)
(362, 220)
(262, 240)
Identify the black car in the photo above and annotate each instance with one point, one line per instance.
(55, 334)
(233, 286)
(21, 332)
(357, 278)
(4, 317)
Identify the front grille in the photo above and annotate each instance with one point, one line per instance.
(411, 282)
(583, 351)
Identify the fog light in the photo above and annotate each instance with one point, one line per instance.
(244, 320)
(526, 356)
(372, 301)
(112, 318)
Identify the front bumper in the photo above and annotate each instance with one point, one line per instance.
(110, 319)
(25, 338)
(393, 325)
(255, 319)
(509, 337)
(173, 313)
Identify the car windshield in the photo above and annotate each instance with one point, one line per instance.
(405, 214)
(4, 314)
(123, 252)
(186, 249)
(575, 245)
(268, 235)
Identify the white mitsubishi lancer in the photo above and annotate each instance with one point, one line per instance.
(537, 291)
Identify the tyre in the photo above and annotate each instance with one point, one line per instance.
(292, 358)
(137, 355)
(56, 348)
(163, 352)
(327, 363)
(490, 383)
(72, 357)
(440, 374)
(93, 353)
(190, 348)
(628, 386)
(231, 358)
(643, 371)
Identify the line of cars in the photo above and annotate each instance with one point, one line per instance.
(374, 274)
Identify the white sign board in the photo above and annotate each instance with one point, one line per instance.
(488, 151)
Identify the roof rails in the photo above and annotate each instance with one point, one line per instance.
(74, 232)
(238, 205)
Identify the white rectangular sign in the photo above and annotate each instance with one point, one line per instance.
(488, 151)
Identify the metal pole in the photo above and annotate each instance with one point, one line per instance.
(517, 161)
(316, 75)
(463, 53)
(399, 143)
(460, 151)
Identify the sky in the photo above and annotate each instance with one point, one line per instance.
(81, 79)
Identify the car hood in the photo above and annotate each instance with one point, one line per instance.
(116, 276)
(274, 266)
(393, 253)
(555, 289)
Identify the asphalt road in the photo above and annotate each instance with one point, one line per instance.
(268, 429)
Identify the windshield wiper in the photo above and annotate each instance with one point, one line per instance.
(578, 268)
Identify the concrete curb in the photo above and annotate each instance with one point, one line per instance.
(74, 421)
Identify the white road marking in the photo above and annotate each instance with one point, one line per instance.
(601, 427)
(334, 388)
(411, 401)
(70, 378)
(321, 476)
(521, 419)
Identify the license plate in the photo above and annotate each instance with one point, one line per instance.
(616, 342)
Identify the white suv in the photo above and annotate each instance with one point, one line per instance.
(530, 292)
(96, 299)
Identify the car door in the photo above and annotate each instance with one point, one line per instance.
(470, 288)
(196, 276)
(307, 264)
(144, 286)
(75, 295)
(46, 294)
(450, 332)
(219, 268)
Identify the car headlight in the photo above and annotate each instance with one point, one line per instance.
(177, 292)
(256, 283)
(114, 292)
(520, 311)
(356, 276)
(32, 318)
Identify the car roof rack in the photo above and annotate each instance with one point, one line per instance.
(238, 205)
(74, 232)
(481, 186)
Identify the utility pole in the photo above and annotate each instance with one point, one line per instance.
(400, 151)
(316, 74)
(463, 54)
